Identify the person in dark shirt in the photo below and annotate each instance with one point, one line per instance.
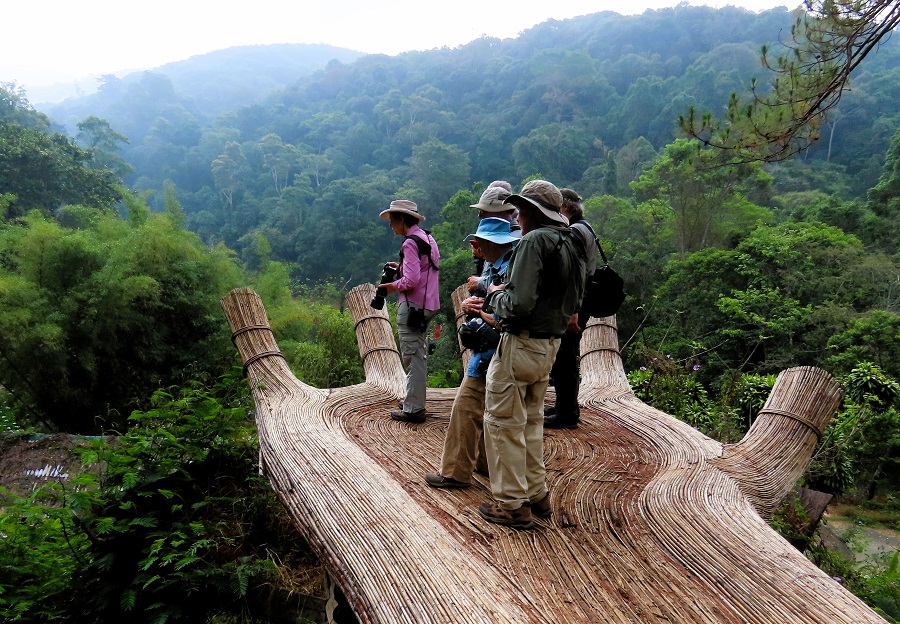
(565, 373)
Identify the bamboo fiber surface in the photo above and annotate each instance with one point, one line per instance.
(652, 521)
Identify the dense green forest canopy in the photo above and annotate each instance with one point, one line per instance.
(296, 182)
(586, 102)
(731, 266)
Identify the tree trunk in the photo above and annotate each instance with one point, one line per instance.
(652, 521)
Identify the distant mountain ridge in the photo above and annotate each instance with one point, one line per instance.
(249, 72)
(587, 102)
(210, 83)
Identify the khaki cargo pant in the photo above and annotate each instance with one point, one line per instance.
(516, 385)
(464, 441)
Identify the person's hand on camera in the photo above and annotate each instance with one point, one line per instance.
(573, 327)
(493, 287)
(472, 283)
(389, 288)
(472, 305)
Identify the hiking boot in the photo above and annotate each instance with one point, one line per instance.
(437, 480)
(549, 411)
(541, 508)
(514, 518)
(411, 417)
(560, 422)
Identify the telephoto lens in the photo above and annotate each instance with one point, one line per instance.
(388, 273)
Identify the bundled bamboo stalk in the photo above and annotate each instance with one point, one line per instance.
(652, 521)
(777, 449)
(457, 297)
(601, 365)
(377, 346)
(374, 539)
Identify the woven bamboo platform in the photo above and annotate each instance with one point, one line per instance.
(652, 521)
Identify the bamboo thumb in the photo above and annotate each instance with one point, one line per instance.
(775, 452)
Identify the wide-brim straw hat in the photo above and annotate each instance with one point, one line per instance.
(402, 205)
(542, 195)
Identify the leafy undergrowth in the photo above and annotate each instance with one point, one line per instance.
(171, 523)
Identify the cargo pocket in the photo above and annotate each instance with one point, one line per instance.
(500, 401)
(402, 313)
(530, 361)
(408, 348)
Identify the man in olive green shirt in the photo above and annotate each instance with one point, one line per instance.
(544, 288)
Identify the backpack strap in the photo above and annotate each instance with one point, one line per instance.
(596, 238)
(424, 248)
(553, 260)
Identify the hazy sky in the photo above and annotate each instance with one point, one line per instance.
(48, 41)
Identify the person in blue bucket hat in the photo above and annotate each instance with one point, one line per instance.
(465, 433)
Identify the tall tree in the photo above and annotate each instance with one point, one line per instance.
(15, 108)
(709, 202)
(227, 171)
(559, 151)
(438, 170)
(279, 159)
(828, 42)
(884, 201)
(98, 137)
(94, 318)
(47, 171)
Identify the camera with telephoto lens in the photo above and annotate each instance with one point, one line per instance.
(478, 335)
(388, 274)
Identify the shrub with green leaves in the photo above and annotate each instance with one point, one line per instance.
(97, 313)
(41, 548)
(318, 340)
(860, 450)
(672, 387)
(180, 526)
(723, 412)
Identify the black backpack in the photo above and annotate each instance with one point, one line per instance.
(605, 289)
(604, 292)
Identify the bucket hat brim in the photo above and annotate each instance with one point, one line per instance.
(520, 201)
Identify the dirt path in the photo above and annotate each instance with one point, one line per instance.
(873, 540)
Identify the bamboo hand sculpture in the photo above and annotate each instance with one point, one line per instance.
(652, 521)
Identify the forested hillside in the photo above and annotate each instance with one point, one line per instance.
(586, 102)
(735, 268)
(208, 85)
